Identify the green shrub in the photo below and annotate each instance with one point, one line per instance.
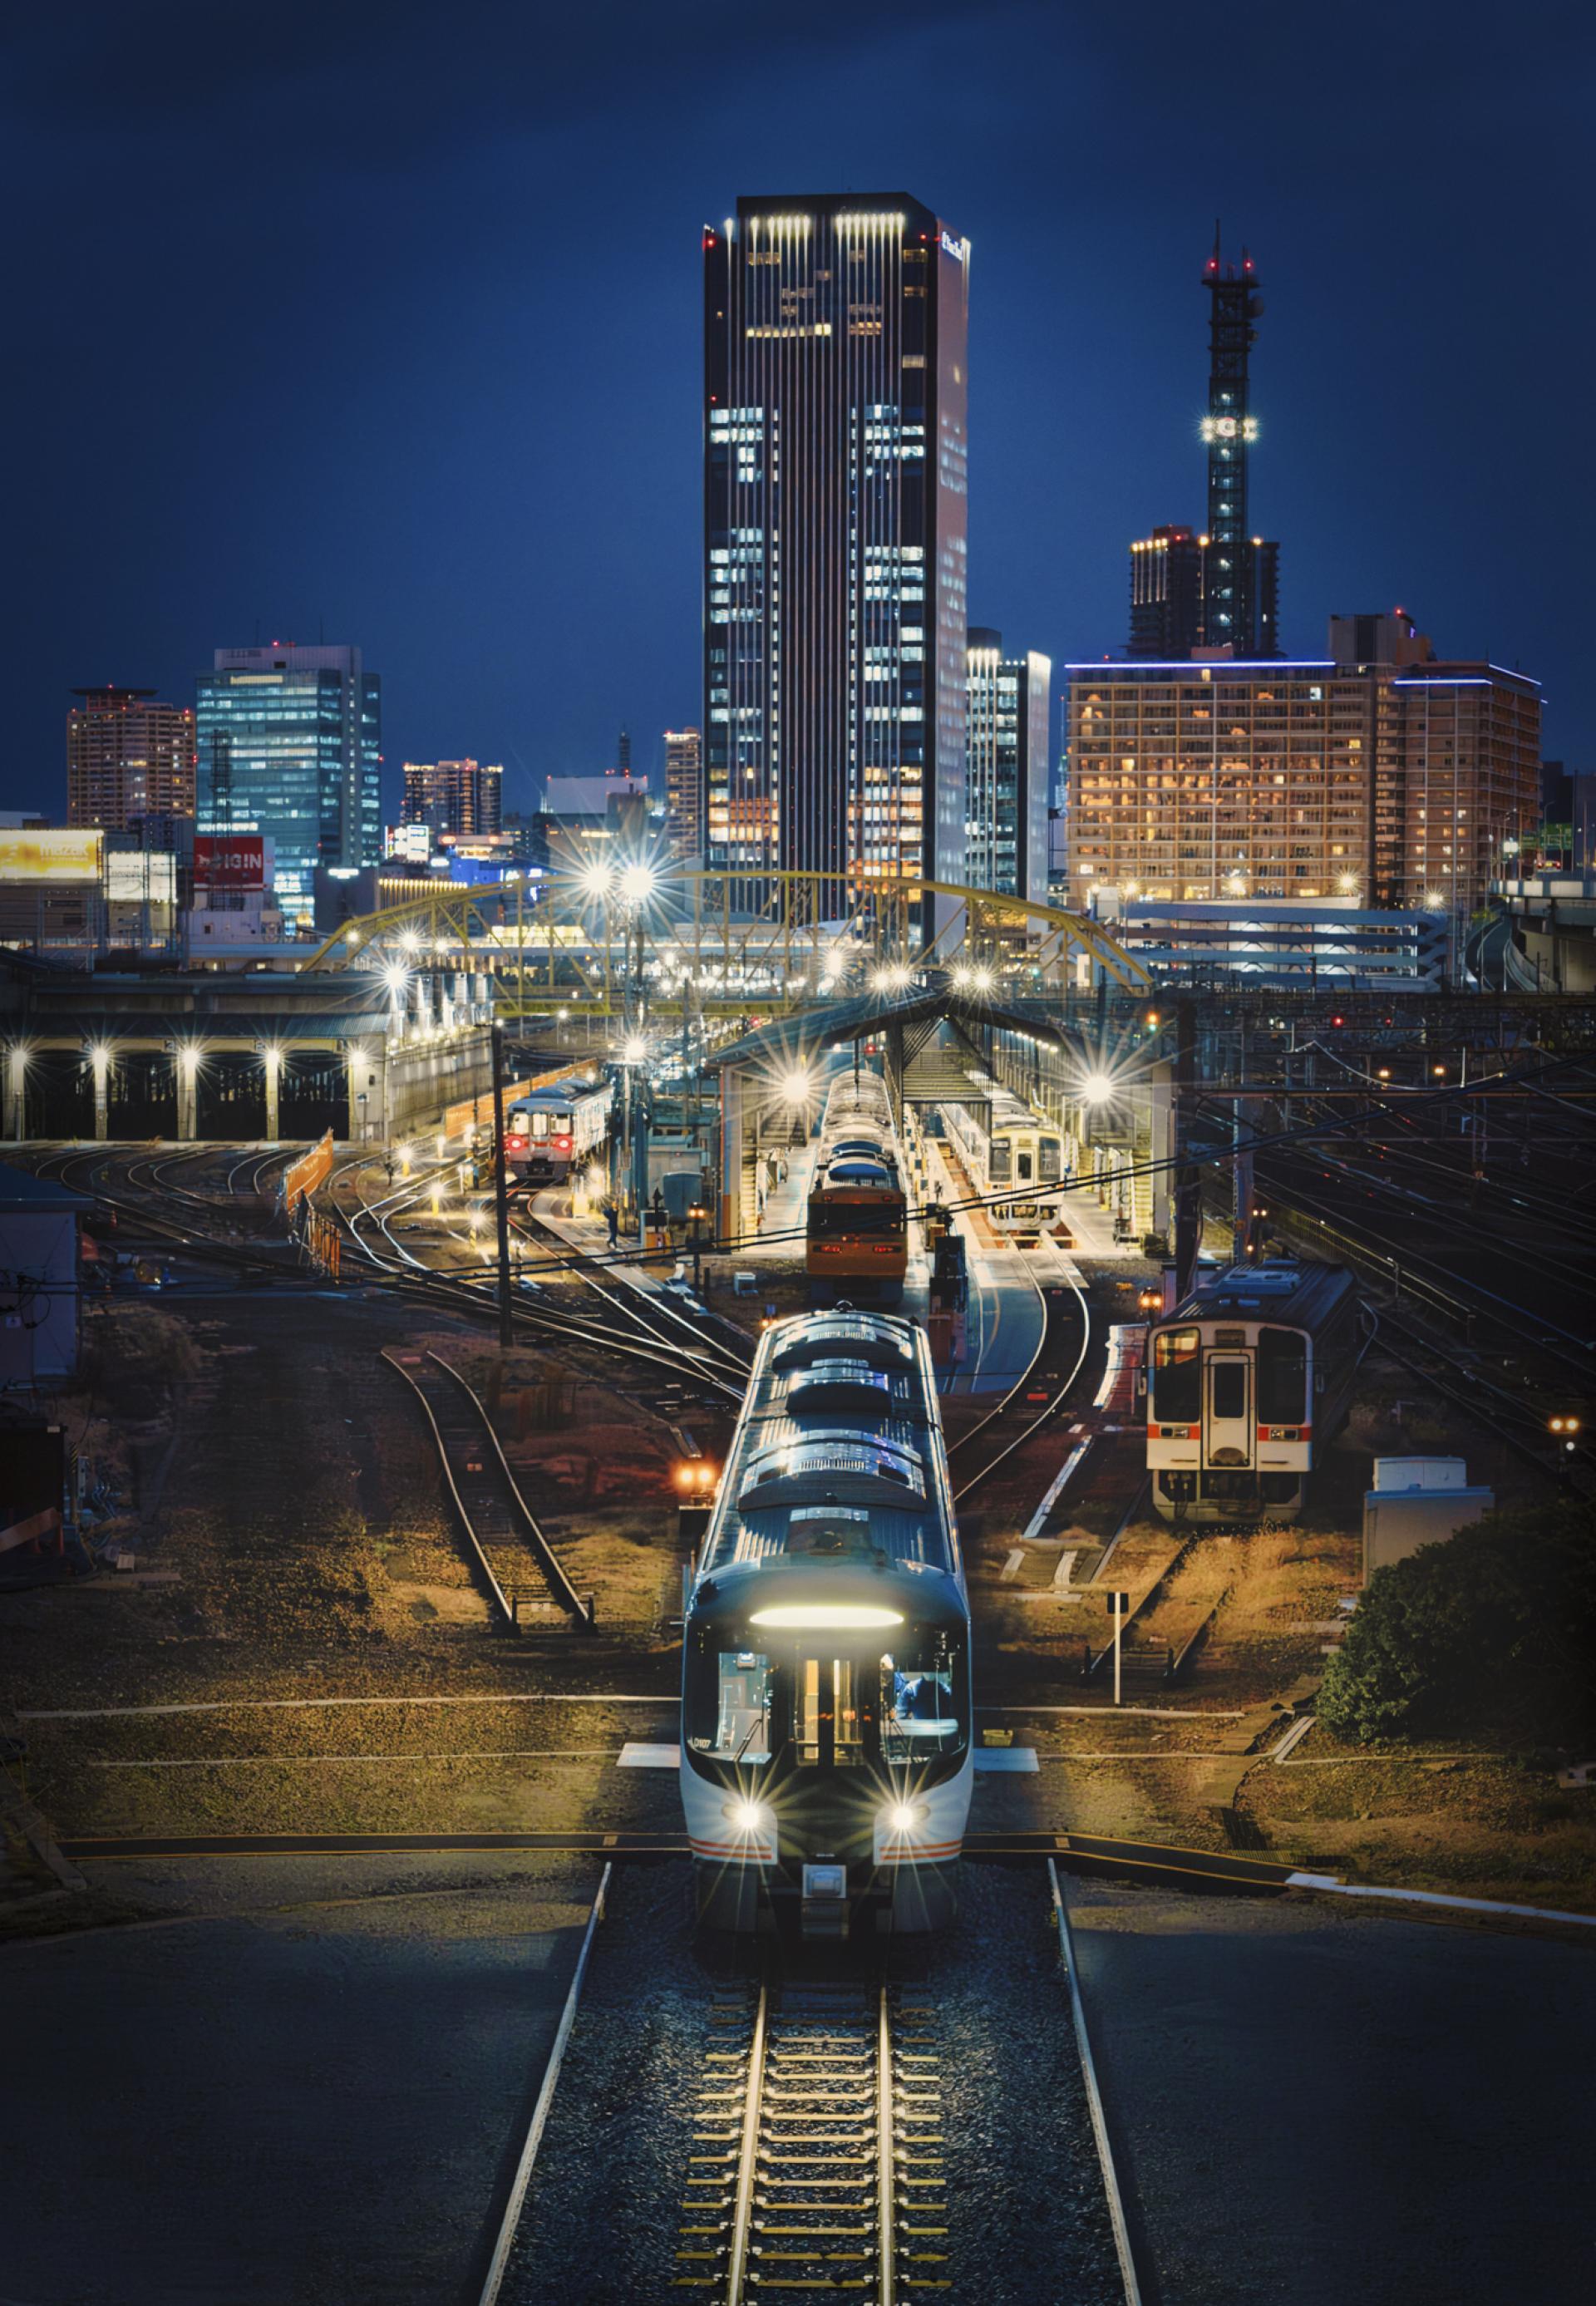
(1492, 1632)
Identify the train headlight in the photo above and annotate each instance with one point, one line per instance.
(902, 1817)
(748, 1817)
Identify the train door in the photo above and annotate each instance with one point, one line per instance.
(1230, 1409)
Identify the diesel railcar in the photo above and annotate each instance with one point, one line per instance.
(552, 1131)
(1010, 1149)
(857, 1234)
(826, 1740)
(1247, 1381)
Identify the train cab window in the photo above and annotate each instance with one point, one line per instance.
(998, 1160)
(1282, 1377)
(919, 1715)
(1025, 1167)
(1049, 1156)
(1177, 1376)
(734, 1714)
(1228, 1384)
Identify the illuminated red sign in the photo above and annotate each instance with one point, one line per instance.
(230, 861)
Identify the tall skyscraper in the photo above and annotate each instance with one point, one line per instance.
(684, 794)
(1219, 590)
(458, 796)
(1006, 773)
(127, 756)
(834, 544)
(290, 741)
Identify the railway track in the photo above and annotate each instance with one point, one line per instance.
(818, 2163)
(522, 1571)
(1051, 1373)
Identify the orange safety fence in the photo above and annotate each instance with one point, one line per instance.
(311, 1170)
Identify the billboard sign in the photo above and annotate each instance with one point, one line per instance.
(232, 861)
(140, 877)
(75, 856)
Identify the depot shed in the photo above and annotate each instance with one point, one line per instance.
(40, 1224)
(1417, 1502)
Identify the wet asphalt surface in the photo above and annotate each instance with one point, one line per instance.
(1027, 2221)
(1330, 2108)
(297, 2088)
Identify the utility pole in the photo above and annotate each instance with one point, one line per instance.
(1241, 1240)
(1188, 1193)
(501, 1198)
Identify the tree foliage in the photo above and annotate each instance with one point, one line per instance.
(1493, 1631)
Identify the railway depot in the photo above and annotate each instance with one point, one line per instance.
(448, 1641)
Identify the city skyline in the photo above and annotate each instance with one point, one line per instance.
(444, 527)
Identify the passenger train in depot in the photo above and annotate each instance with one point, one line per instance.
(1011, 1147)
(551, 1130)
(856, 1232)
(826, 1756)
(1246, 1383)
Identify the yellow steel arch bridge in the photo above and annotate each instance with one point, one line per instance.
(719, 943)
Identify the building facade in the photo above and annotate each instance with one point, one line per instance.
(455, 797)
(1393, 778)
(1006, 769)
(835, 485)
(127, 756)
(684, 795)
(290, 744)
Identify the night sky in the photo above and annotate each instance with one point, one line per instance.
(384, 322)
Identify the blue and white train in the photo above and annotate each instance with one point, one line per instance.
(826, 1734)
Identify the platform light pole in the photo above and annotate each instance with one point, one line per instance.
(501, 1200)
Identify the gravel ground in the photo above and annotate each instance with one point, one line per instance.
(1327, 2106)
(305, 2087)
(1027, 2221)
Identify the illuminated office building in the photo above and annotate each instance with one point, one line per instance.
(127, 757)
(835, 542)
(290, 742)
(1377, 772)
(1006, 769)
(684, 794)
(458, 796)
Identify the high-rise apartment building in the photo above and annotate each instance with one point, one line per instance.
(1006, 769)
(127, 756)
(684, 794)
(455, 797)
(836, 375)
(1376, 772)
(290, 743)
(1218, 591)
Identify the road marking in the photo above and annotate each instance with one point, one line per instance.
(637, 1756)
(307, 1760)
(291, 1705)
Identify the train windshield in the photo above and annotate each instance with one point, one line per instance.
(1177, 1376)
(883, 1218)
(919, 1713)
(1282, 1377)
(734, 1718)
(836, 1703)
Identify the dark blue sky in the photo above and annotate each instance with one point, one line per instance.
(385, 321)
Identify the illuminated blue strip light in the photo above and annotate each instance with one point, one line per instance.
(1199, 665)
(1461, 680)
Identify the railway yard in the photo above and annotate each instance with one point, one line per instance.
(358, 1776)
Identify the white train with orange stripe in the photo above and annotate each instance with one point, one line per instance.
(826, 1734)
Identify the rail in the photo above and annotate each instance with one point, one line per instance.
(504, 2240)
(1129, 2280)
(472, 1488)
